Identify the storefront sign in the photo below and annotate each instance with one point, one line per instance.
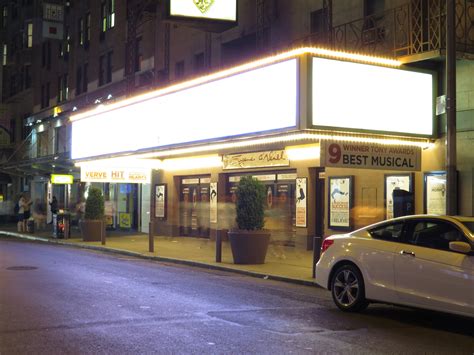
(290, 176)
(224, 10)
(301, 202)
(340, 202)
(435, 193)
(255, 160)
(62, 179)
(370, 156)
(213, 202)
(160, 201)
(119, 175)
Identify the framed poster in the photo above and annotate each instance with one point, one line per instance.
(160, 201)
(396, 182)
(301, 202)
(434, 197)
(213, 202)
(340, 202)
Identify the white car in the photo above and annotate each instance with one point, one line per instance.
(419, 261)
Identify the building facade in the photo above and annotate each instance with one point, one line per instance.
(64, 58)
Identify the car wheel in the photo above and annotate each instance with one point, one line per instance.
(347, 288)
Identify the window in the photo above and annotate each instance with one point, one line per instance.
(85, 78)
(434, 234)
(198, 64)
(373, 7)
(46, 55)
(101, 70)
(391, 232)
(5, 53)
(4, 16)
(111, 13)
(27, 76)
(63, 89)
(179, 69)
(42, 143)
(45, 95)
(103, 15)
(60, 141)
(79, 83)
(88, 29)
(109, 66)
(318, 23)
(80, 32)
(29, 35)
(138, 54)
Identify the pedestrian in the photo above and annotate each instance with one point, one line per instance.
(27, 209)
(21, 214)
(54, 205)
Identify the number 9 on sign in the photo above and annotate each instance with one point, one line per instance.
(334, 153)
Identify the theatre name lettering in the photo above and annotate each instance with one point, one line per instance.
(370, 156)
(256, 160)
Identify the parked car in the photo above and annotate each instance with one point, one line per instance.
(421, 261)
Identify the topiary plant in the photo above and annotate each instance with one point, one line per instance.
(94, 204)
(250, 204)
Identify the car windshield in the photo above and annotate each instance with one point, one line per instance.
(469, 225)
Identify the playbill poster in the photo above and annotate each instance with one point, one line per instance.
(160, 196)
(301, 202)
(339, 202)
(213, 202)
(436, 194)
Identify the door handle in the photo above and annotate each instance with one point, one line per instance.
(404, 252)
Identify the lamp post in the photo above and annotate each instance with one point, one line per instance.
(451, 183)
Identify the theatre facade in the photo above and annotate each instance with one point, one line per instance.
(339, 140)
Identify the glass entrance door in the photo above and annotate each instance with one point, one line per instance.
(194, 207)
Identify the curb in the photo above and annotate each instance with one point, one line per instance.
(160, 258)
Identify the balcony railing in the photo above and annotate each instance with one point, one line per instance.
(414, 28)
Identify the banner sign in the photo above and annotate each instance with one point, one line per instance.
(224, 10)
(119, 175)
(255, 160)
(301, 202)
(370, 156)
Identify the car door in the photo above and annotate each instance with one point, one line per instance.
(428, 274)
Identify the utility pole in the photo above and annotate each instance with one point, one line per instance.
(451, 163)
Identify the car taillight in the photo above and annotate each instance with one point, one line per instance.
(326, 244)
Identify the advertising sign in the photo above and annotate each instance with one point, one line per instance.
(224, 10)
(125, 220)
(213, 202)
(255, 160)
(395, 182)
(301, 202)
(110, 174)
(340, 202)
(62, 179)
(160, 201)
(370, 156)
(435, 193)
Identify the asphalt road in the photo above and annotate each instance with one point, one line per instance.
(62, 300)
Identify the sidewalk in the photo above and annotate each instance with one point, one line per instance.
(282, 263)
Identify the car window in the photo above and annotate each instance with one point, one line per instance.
(469, 225)
(391, 232)
(434, 234)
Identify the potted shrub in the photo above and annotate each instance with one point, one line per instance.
(92, 226)
(249, 241)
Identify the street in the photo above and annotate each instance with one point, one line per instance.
(61, 300)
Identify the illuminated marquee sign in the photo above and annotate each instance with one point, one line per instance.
(360, 96)
(226, 107)
(224, 10)
(62, 179)
(118, 175)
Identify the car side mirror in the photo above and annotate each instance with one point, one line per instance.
(461, 247)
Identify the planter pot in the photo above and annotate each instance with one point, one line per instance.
(249, 247)
(91, 230)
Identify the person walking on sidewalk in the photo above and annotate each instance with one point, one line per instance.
(21, 214)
